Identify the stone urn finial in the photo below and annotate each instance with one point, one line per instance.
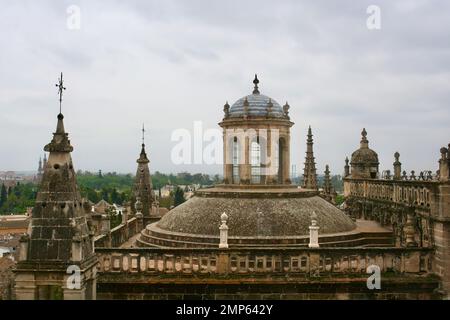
(313, 232)
(223, 231)
(313, 218)
(224, 218)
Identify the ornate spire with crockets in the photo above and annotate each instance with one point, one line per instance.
(309, 172)
(143, 188)
(59, 236)
(327, 181)
(255, 82)
(59, 197)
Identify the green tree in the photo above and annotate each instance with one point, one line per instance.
(178, 197)
(339, 199)
(115, 197)
(3, 195)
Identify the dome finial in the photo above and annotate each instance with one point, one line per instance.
(364, 141)
(255, 82)
(364, 133)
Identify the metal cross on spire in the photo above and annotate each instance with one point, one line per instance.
(61, 88)
(143, 133)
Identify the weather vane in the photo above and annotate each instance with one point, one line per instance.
(61, 88)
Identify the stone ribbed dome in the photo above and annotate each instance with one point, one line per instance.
(257, 213)
(257, 106)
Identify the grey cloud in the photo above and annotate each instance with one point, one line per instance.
(169, 63)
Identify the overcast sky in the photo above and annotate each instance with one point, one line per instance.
(170, 63)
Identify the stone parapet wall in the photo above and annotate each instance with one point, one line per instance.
(264, 273)
(118, 235)
(317, 261)
(417, 210)
(415, 193)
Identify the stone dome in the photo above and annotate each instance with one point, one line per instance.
(257, 106)
(255, 217)
(263, 215)
(366, 156)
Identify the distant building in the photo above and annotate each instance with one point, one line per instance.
(9, 178)
(13, 224)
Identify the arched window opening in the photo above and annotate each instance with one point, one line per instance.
(280, 160)
(255, 161)
(235, 160)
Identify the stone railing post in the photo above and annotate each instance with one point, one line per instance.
(105, 224)
(410, 230)
(125, 223)
(77, 252)
(124, 215)
(313, 232)
(24, 242)
(223, 231)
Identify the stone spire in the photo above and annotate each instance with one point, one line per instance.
(143, 188)
(328, 191)
(346, 168)
(327, 181)
(44, 162)
(58, 218)
(309, 172)
(58, 235)
(39, 171)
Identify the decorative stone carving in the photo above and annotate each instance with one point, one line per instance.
(313, 232)
(223, 231)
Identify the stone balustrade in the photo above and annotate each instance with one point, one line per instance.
(309, 261)
(118, 235)
(417, 192)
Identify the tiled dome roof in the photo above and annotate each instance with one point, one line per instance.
(257, 106)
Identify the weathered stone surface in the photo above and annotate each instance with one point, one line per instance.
(143, 188)
(270, 214)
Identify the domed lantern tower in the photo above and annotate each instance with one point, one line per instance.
(256, 140)
(262, 206)
(364, 162)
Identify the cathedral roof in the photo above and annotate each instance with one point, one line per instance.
(255, 213)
